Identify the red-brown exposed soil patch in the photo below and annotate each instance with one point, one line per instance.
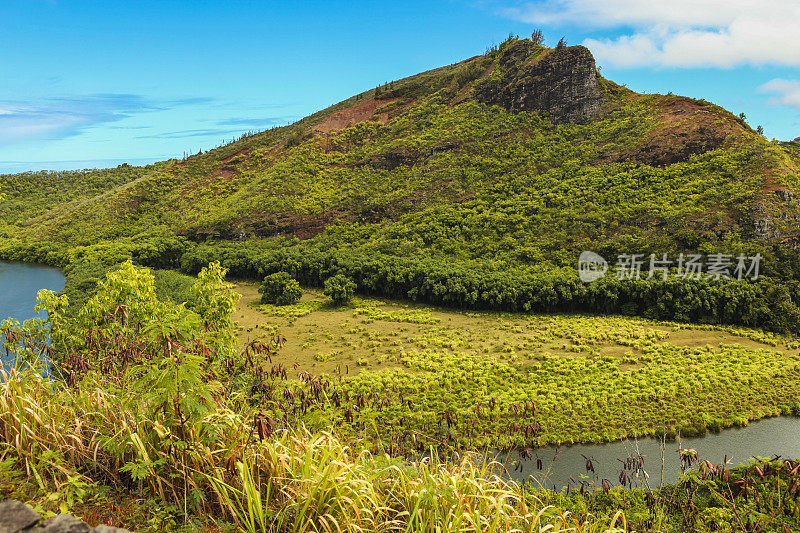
(360, 112)
(243, 151)
(223, 173)
(686, 127)
(771, 184)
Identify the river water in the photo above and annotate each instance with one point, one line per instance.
(20, 282)
(567, 466)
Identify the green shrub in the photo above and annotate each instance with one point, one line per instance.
(339, 288)
(174, 286)
(468, 72)
(280, 289)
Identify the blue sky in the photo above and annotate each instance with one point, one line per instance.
(94, 83)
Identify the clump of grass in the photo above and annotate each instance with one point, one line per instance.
(413, 316)
(327, 356)
(291, 311)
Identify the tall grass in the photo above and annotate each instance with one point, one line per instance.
(291, 481)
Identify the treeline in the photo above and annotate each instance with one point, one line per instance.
(769, 303)
(30, 194)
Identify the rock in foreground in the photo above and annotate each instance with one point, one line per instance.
(16, 517)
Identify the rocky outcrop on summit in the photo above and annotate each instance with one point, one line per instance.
(561, 83)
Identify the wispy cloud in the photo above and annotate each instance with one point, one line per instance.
(130, 127)
(208, 132)
(258, 122)
(228, 127)
(169, 104)
(787, 92)
(689, 33)
(59, 117)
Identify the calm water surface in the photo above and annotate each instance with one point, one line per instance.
(567, 466)
(19, 283)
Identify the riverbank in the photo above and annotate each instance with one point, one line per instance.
(158, 402)
(659, 460)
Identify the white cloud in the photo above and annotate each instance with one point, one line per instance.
(693, 33)
(60, 117)
(610, 13)
(788, 92)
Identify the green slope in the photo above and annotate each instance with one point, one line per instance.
(425, 142)
(427, 168)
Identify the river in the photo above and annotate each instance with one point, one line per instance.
(567, 466)
(20, 282)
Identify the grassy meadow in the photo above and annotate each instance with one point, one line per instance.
(488, 378)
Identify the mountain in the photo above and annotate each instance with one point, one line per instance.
(515, 160)
(541, 120)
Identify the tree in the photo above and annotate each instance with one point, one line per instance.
(280, 289)
(339, 288)
(215, 302)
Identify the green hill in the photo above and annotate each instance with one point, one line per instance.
(494, 172)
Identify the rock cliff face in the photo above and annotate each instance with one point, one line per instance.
(774, 215)
(561, 83)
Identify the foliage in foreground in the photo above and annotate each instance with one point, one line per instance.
(146, 404)
(763, 495)
(75, 441)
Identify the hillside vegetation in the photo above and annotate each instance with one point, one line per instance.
(648, 166)
(472, 185)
